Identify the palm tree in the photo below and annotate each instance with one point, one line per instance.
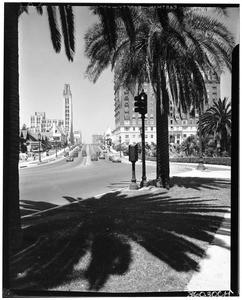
(12, 11)
(216, 121)
(173, 48)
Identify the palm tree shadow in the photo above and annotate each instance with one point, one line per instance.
(197, 183)
(167, 228)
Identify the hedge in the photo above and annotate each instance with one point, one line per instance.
(226, 161)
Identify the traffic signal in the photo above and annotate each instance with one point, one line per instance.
(137, 104)
(143, 100)
(140, 103)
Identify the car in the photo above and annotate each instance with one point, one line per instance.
(94, 157)
(110, 157)
(117, 159)
(84, 153)
(102, 156)
(75, 154)
(70, 158)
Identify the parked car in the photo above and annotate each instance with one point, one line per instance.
(94, 157)
(70, 158)
(110, 157)
(116, 159)
(102, 156)
(75, 154)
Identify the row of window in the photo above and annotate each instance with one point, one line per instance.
(127, 136)
(184, 122)
(138, 128)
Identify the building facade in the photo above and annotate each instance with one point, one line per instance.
(128, 123)
(39, 122)
(68, 113)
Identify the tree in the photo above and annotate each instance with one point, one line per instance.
(216, 121)
(12, 11)
(172, 48)
(189, 146)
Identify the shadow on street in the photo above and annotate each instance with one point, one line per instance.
(95, 235)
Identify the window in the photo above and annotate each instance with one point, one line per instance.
(151, 136)
(146, 136)
(145, 128)
(134, 136)
(191, 122)
(184, 135)
(171, 122)
(133, 128)
(184, 122)
(126, 136)
(151, 128)
(126, 128)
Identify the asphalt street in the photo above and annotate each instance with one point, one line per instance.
(61, 182)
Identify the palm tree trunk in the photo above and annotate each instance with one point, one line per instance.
(162, 154)
(12, 221)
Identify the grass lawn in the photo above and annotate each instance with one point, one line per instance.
(150, 240)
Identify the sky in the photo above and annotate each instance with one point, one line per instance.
(43, 74)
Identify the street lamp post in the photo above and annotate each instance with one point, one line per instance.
(56, 149)
(39, 138)
(144, 182)
(120, 145)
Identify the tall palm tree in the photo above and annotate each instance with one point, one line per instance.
(216, 121)
(12, 11)
(173, 48)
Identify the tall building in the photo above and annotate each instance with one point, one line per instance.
(128, 123)
(68, 113)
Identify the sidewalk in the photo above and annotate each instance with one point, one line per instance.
(46, 159)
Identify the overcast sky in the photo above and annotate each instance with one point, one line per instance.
(43, 74)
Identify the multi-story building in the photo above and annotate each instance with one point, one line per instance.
(128, 123)
(68, 112)
(39, 122)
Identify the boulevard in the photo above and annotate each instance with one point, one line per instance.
(48, 185)
(59, 182)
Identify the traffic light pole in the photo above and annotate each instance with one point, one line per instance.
(144, 182)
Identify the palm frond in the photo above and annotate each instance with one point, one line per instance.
(66, 37)
(54, 30)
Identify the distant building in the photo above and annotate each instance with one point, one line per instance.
(77, 136)
(97, 138)
(39, 122)
(68, 113)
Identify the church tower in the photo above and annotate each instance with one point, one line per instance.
(68, 113)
